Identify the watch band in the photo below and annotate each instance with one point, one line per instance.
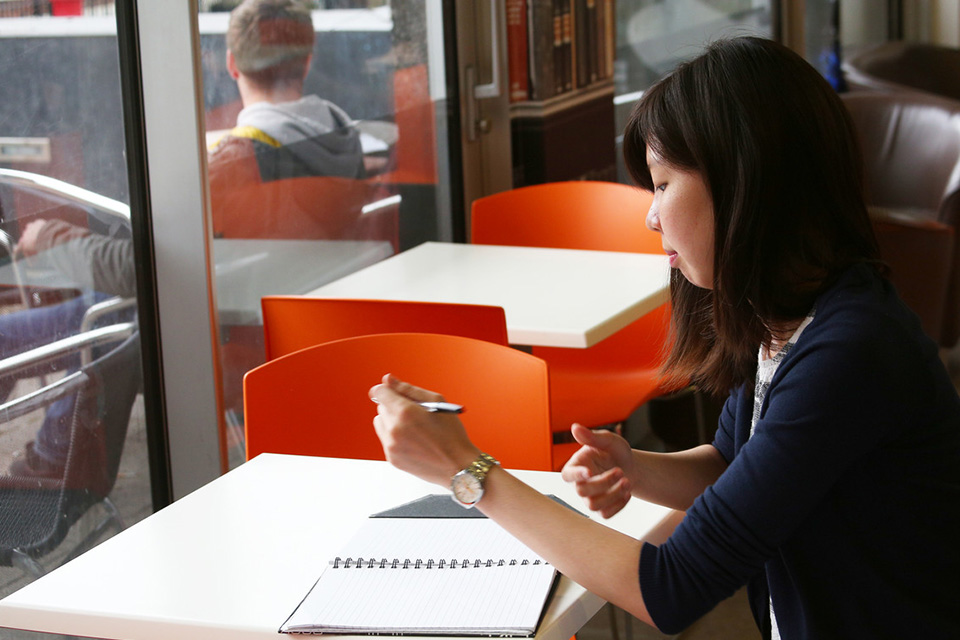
(481, 466)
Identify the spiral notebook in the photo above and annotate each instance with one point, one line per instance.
(428, 576)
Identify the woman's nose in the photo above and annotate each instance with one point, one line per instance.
(653, 219)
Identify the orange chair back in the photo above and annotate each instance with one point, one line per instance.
(606, 383)
(415, 115)
(291, 323)
(314, 401)
(311, 208)
(601, 216)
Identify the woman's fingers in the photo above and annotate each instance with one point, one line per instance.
(392, 389)
(605, 492)
(616, 500)
(599, 484)
(410, 391)
(612, 500)
(432, 446)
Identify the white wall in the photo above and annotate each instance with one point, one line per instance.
(945, 22)
(861, 24)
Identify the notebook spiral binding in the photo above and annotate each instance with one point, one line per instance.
(384, 563)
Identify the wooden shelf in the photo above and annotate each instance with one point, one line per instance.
(569, 137)
(567, 100)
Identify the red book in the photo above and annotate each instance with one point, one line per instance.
(517, 59)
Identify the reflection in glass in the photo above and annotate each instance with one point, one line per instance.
(654, 36)
(73, 458)
(322, 155)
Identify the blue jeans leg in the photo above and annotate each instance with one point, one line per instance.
(24, 330)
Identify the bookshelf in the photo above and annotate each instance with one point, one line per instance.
(570, 137)
(560, 60)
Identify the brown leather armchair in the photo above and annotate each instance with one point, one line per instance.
(897, 66)
(911, 148)
(919, 252)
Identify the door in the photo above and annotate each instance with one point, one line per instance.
(484, 112)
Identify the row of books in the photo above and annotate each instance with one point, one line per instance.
(558, 46)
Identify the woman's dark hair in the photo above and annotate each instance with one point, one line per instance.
(776, 147)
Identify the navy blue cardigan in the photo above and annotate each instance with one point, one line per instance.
(846, 501)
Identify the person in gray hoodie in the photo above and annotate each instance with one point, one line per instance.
(280, 132)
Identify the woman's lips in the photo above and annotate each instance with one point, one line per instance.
(672, 257)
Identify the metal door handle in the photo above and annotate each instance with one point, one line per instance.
(492, 88)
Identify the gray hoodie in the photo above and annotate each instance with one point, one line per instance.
(307, 137)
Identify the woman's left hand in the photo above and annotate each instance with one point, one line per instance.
(431, 446)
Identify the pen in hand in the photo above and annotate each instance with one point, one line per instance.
(442, 407)
(438, 407)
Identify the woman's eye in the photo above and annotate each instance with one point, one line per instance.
(660, 187)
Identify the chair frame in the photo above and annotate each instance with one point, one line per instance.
(72, 502)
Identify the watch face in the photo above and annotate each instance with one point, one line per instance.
(467, 489)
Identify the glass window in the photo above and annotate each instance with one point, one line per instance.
(324, 133)
(75, 455)
(653, 36)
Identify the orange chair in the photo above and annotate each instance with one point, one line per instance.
(416, 149)
(315, 208)
(605, 383)
(291, 323)
(314, 401)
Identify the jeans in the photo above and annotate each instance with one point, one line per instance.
(30, 328)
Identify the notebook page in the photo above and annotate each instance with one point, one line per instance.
(490, 600)
(465, 576)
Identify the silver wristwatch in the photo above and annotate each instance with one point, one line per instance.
(467, 484)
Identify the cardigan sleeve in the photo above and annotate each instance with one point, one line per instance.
(725, 437)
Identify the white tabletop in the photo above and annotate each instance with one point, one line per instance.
(234, 558)
(247, 270)
(551, 297)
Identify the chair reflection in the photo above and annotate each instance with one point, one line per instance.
(36, 514)
(309, 208)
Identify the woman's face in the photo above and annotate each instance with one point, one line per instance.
(682, 213)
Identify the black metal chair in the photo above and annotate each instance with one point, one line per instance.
(36, 514)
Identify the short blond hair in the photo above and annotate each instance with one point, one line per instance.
(270, 34)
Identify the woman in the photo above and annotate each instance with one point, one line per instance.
(832, 487)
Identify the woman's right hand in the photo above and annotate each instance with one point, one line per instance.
(601, 470)
(432, 446)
